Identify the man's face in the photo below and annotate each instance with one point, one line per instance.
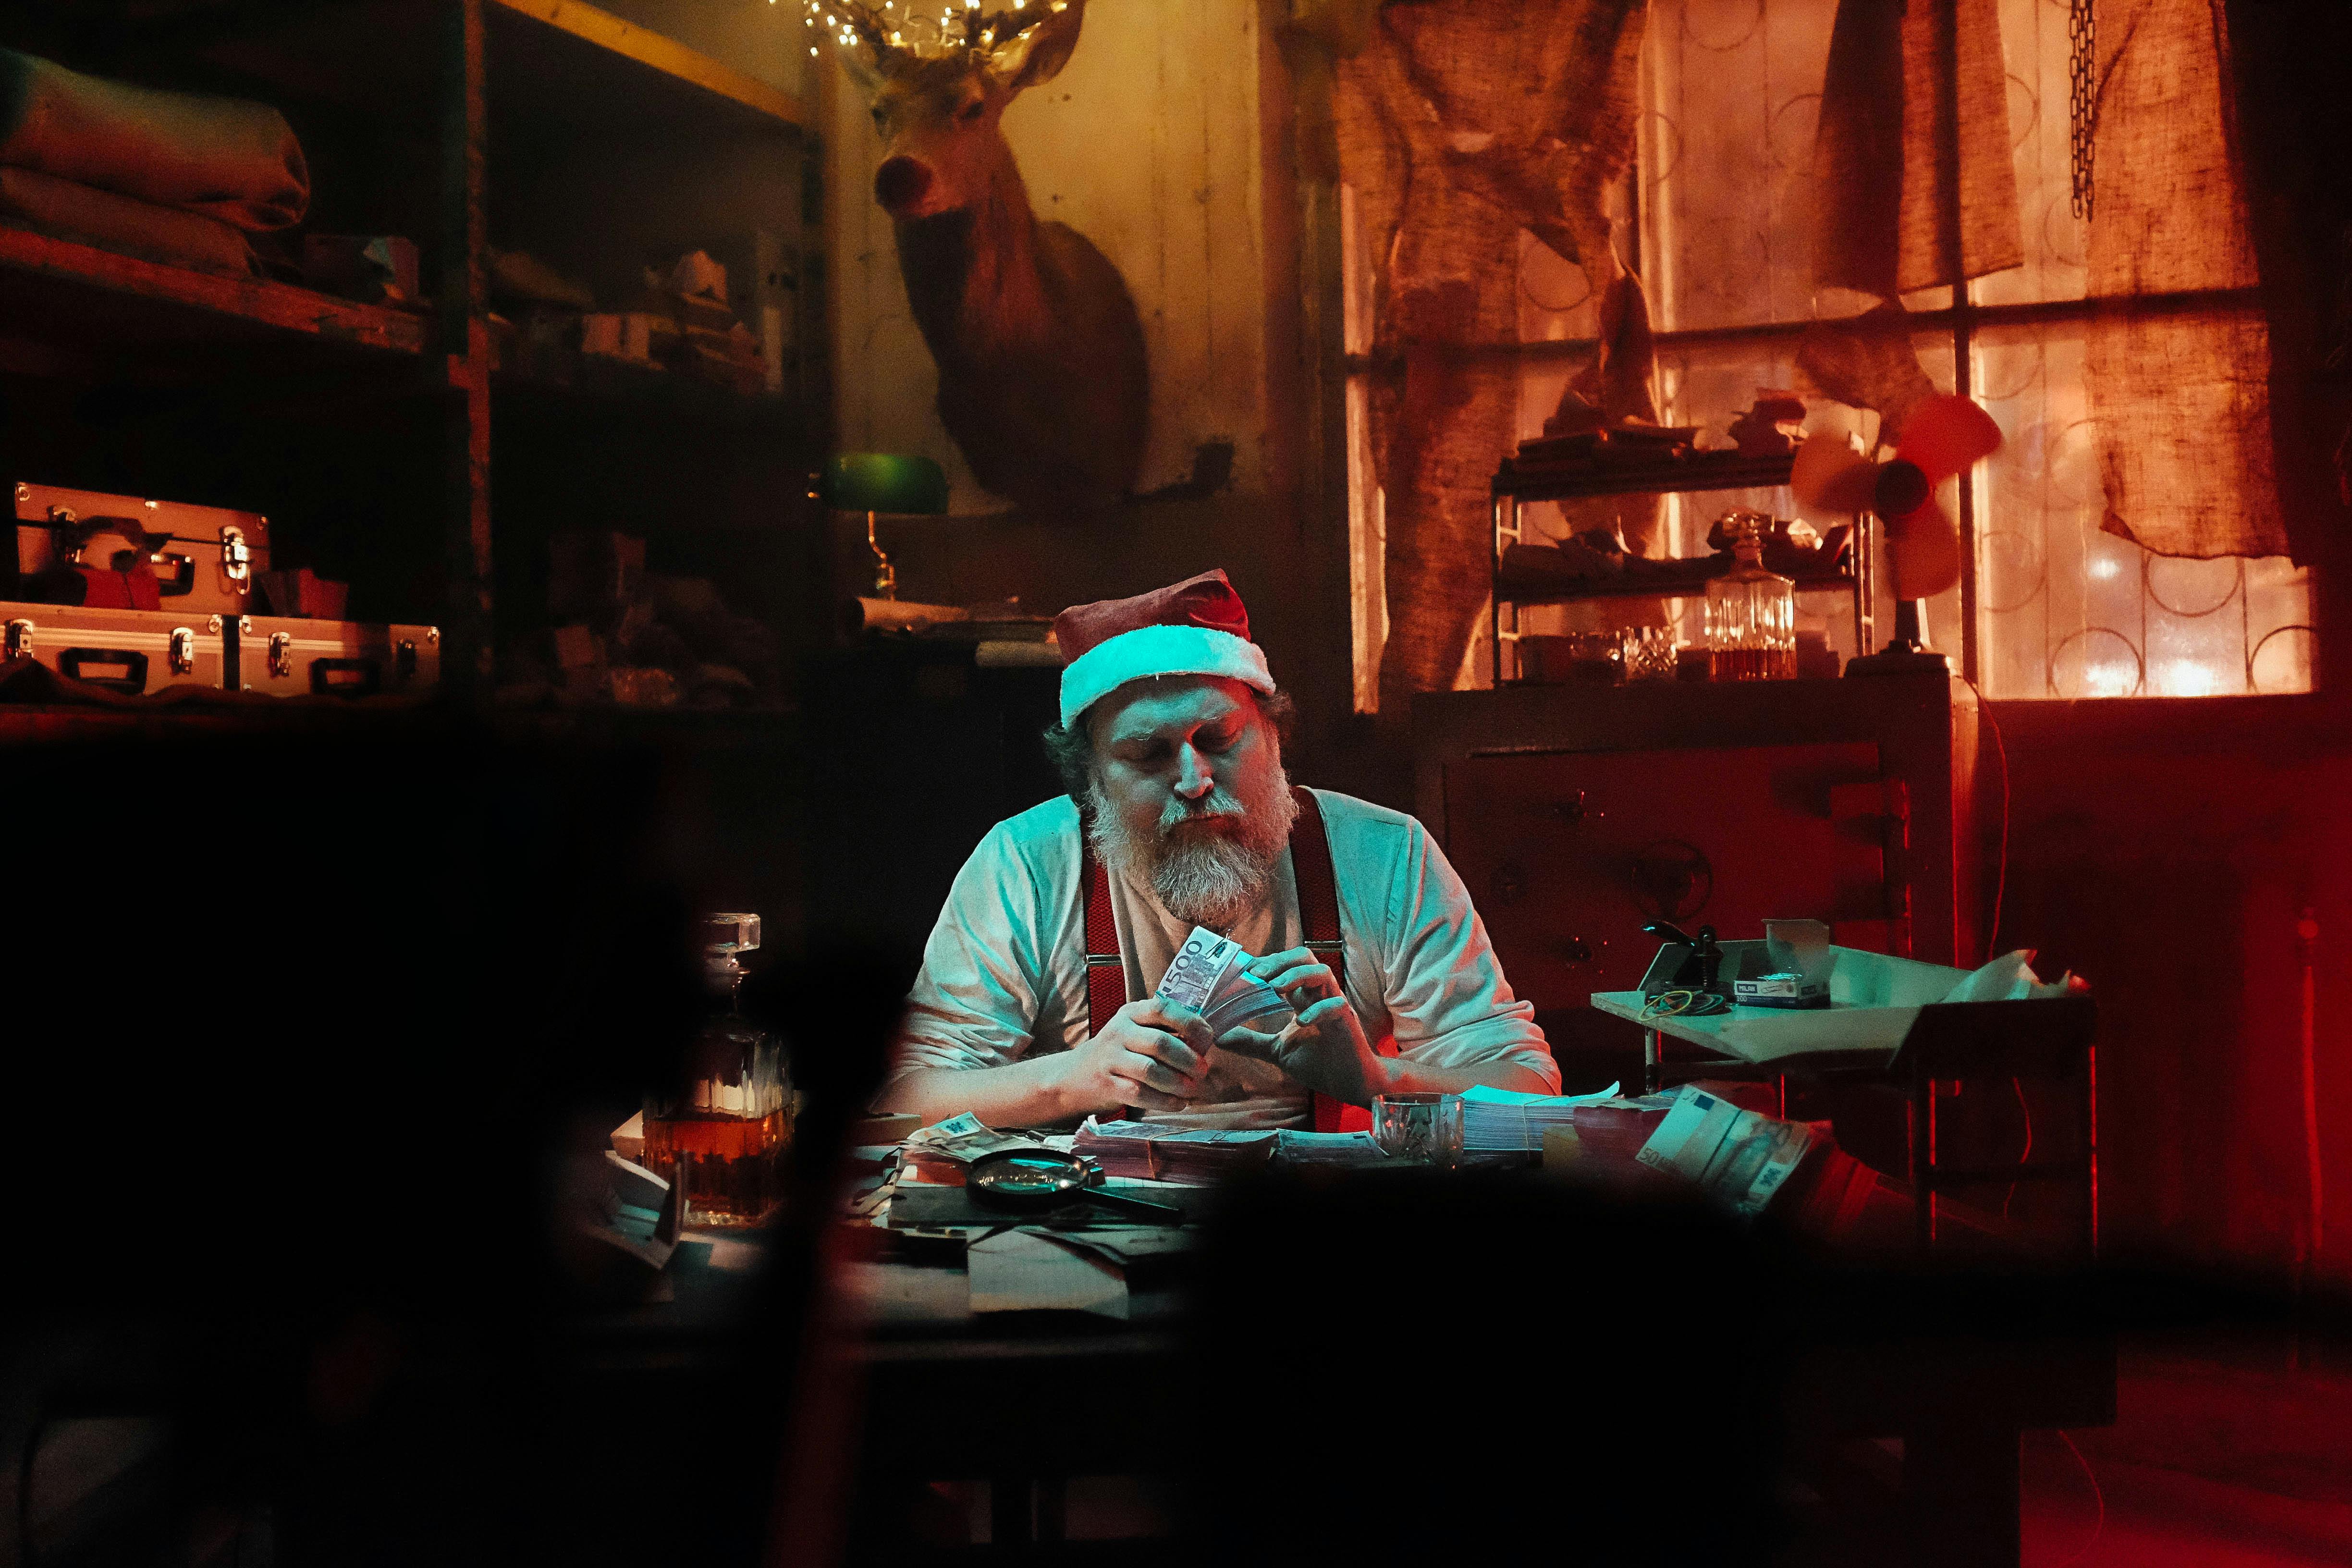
(1184, 757)
(1188, 793)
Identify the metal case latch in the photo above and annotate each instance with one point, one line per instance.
(281, 653)
(183, 650)
(19, 640)
(237, 556)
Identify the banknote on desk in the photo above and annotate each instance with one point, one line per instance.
(1296, 1146)
(940, 1152)
(1146, 1150)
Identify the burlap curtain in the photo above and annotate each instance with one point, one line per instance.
(2180, 400)
(1913, 183)
(1460, 123)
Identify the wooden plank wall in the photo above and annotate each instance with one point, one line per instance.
(1148, 144)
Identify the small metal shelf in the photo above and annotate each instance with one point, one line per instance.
(1515, 485)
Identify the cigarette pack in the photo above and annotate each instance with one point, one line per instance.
(1785, 990)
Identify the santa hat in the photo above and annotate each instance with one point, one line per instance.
(1197, 626)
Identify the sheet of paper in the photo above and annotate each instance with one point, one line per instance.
(1022, 1270)
(1125, 1244)
(901, 1292)
(1478, 1093)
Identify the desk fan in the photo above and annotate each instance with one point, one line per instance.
(1942, 436)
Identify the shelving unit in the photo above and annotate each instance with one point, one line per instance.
(1516, 485)
(67, 294)
(388, 447)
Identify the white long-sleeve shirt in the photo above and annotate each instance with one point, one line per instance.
(1004, 971)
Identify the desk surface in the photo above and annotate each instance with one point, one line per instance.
(1855, 1037)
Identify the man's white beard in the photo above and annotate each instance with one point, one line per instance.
(1204, 875)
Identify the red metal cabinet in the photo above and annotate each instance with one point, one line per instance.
(1577, 814)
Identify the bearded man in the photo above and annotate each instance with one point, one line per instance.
(1035, 1005)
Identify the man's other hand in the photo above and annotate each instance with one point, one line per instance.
(1152, 1053)
(1325, 1047)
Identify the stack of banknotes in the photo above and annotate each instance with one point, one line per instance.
(1498, 1118)
(1147, 1150)
(1209, 976)
(1738, 1158)
(940, 1153)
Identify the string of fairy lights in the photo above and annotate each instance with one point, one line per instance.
(912, 28)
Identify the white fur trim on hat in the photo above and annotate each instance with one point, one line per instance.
(1148, 651)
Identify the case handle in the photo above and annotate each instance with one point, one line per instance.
(133, 680)
(323, 673)
(183, 570)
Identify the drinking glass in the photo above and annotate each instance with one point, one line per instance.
(1426, 1127)
(1650, 653)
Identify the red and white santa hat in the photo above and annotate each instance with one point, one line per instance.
(1198, 626)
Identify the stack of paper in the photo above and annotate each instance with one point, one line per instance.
(1208, 975)
(1143, 1149)
(1498, 1119)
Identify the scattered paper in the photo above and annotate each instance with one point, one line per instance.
(2011, 978)
(1025, 1270)
(1128, 1244)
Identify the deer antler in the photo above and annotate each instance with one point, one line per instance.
(960, 28)
(864, 22)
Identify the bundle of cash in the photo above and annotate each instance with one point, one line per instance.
(1147, 1150)
(1296, 1146)
(940, 1153)
(1498, 1119)
(1739, 1158)
(1209, 976)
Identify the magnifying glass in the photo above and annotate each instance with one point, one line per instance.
(1034, 1179)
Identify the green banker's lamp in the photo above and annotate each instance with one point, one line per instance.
(877, 482)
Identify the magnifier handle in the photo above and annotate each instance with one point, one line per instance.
(1167, 1212)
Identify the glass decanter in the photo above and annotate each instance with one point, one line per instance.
(1751, 613)
(723, 1128)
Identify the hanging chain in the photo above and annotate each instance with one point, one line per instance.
(2081, 68)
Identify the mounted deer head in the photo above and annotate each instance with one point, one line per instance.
(1042, 381)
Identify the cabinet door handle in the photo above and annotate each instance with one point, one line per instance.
(1578, 810)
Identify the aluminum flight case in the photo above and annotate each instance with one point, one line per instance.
(205, 561)
(129, 651)
(292, 656)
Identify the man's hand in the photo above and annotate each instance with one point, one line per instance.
(1325, 1046)
(1152, 1053)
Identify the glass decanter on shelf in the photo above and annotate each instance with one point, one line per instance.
(722, 1128)
(1751, 613)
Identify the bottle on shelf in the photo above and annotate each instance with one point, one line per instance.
(723, 1128)
(1751, 613)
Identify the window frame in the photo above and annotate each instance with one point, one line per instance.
(1959, 322)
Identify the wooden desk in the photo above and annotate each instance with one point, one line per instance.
(1956, 1368)
(1025, 1400)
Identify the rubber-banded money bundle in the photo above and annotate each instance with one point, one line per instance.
(1210, 976)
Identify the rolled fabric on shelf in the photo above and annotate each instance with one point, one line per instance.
(111, 221)
(224, 157)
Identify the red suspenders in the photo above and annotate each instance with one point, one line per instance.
(1319, 916)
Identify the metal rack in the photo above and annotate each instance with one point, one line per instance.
(1513, 486)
